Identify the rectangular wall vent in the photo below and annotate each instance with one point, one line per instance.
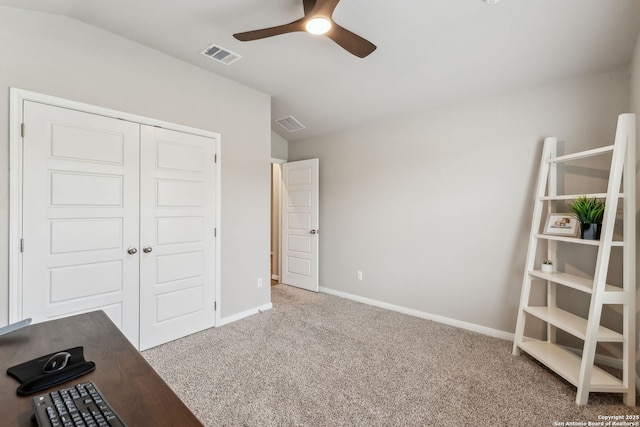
(290, 124)
(220, 54)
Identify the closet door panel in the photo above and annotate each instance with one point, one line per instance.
(177, 225)
(80, 214)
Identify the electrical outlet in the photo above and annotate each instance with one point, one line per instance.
(259, 282)
(359, 275)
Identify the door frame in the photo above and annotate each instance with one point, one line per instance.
(16, 101)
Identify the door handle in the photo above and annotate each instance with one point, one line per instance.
(147, 249)
(132, 250)
(313, 231)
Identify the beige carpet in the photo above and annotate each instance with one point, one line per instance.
(320, 360)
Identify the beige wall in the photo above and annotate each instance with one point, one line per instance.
(65, 58)
(435, 208)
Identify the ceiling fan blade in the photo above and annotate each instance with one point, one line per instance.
(271, 31)
(350, 42)
(325, 7)
(308, 5)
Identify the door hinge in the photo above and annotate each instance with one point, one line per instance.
(215, 158)
(21, 245)
(215, 305)
(22, 130)
(215, 232)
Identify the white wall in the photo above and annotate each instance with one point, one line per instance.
(279, 147)
(63, 57)
(435, 208)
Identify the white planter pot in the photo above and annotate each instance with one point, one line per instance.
(547, 268)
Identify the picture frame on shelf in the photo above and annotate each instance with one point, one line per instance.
(561, 224)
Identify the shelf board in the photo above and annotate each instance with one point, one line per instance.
(571, 281)
(567, 365)
(575, 196)
(575, 325)
(575, 240)
(582, 154)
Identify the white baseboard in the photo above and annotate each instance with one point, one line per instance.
(242, 315)
(423, 315)
(275, 277)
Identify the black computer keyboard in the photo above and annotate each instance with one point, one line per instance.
(82, 405)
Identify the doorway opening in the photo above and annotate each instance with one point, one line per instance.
(276, 181)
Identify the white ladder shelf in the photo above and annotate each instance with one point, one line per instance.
(578, 368)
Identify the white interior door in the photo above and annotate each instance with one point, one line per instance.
(300, 205)
(177, 226)
(80, 214)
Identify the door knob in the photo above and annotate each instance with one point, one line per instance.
(313, 231)
(147, 249)
(132, 250)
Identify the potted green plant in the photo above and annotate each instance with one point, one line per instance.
(547, 266)
(589, 211)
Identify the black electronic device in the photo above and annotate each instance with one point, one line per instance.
(81, 405)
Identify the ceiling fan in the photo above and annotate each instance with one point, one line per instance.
(316, 20)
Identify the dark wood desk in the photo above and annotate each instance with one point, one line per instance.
(134, 390)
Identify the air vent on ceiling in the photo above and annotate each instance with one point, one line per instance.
(290, 123)
(220, 54)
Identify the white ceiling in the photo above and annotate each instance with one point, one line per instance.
(430, 52)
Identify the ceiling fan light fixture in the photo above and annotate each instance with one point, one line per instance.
(317, 19)
(318, 25)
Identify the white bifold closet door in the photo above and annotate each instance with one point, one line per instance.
(177, 226)
(80, 214)
(97, 193)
